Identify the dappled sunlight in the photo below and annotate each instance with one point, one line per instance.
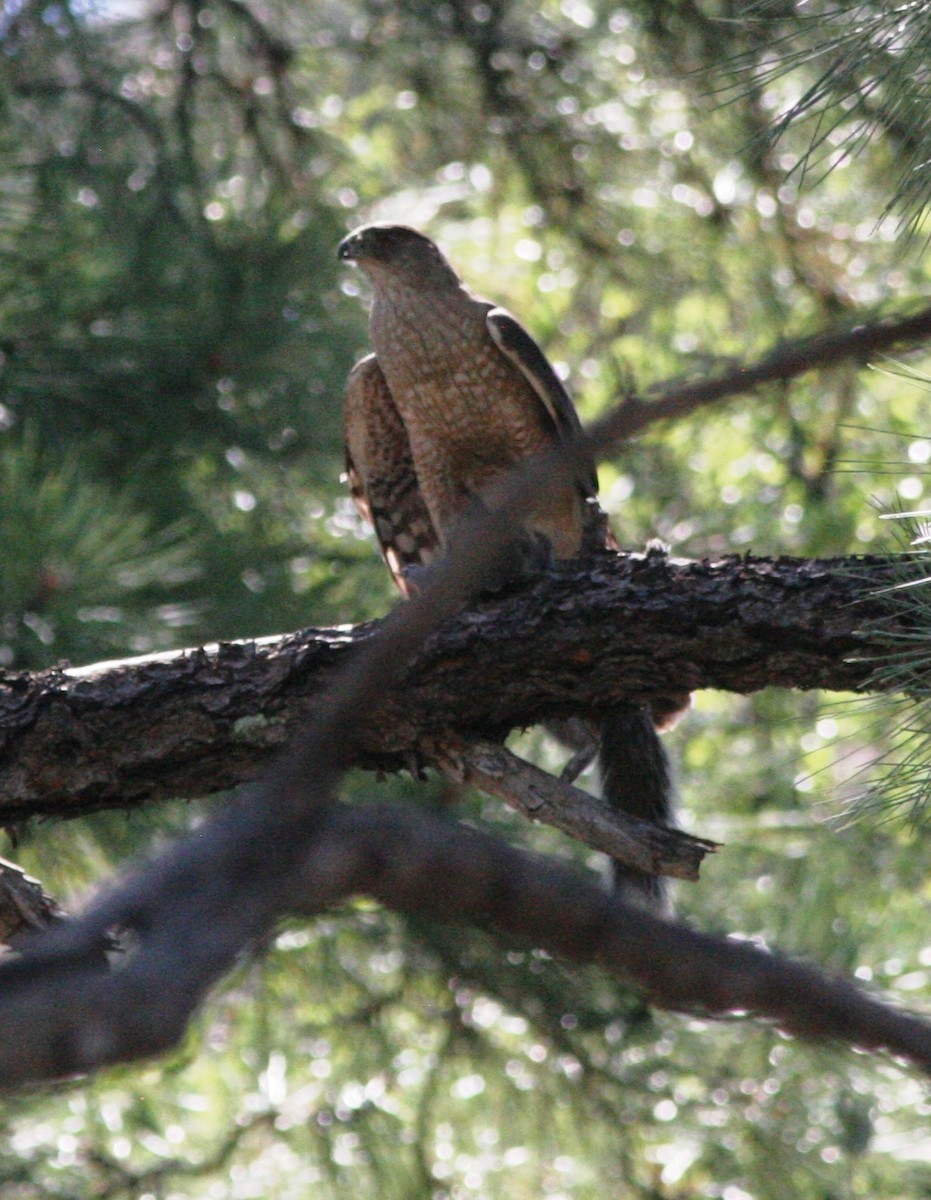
(175, 338)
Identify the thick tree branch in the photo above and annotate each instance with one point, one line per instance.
(624, 628)
(286, 845)
(70, 1018)
(197, 722)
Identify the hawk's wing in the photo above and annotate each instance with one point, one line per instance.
(382, 479)
(513, 340)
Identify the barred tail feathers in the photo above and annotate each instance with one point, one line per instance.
(636, 778)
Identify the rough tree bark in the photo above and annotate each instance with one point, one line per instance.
(191, 723)
(629, 627)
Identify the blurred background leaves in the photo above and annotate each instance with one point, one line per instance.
(657, 189)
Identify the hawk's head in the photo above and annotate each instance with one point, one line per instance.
(399, 252)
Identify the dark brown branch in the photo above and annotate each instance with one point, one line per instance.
(70, 1019)
(672, 400)
(283, 845)
(548, 905)
(199, 904)
(192, 723)
(195, 723)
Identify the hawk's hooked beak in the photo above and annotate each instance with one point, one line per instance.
(348, 248)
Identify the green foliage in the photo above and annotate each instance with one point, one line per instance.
(81, 569)
(864, 80)
(174, 337)
(902, 789)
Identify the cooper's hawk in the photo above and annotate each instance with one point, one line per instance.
(457, 393)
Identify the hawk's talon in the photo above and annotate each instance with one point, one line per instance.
(525, 560)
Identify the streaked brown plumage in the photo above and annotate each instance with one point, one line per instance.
(382, 479)
(474, 393)
(455, 395)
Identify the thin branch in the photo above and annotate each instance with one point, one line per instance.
(668, 401)
(25, 906)
(552, 801)
(197, 906)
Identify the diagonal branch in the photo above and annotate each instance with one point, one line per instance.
(549, 799)
(287, 845)
(25, 906)
(668, 401)
(71, 1019)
